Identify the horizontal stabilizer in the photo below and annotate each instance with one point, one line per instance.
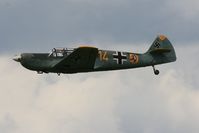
(160, 50)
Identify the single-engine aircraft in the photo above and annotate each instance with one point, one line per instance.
(91, 59)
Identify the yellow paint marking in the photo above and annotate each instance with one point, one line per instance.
(134, 59)
(162, 37)
(84, 46)
(103, 55)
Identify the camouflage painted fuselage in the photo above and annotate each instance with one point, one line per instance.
(89, 59)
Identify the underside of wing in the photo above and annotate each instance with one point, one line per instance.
(81, 59)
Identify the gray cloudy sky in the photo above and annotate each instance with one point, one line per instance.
(120, 101)
(42, 24)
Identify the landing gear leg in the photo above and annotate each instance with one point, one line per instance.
(156, 72)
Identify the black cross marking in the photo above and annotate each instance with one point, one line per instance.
(119, 57)
(157, 45)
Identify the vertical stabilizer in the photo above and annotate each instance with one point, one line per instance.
(162, 50)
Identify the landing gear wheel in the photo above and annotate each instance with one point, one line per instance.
(156, 72)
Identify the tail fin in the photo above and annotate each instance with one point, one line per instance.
(162, 50)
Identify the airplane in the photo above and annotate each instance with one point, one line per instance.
(92, 59)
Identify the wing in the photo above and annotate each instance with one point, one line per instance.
(81, 59)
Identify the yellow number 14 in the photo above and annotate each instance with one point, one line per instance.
(103, 56)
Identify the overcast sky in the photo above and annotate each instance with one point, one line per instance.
(42, 24)
(105, 102)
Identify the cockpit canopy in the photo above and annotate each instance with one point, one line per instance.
(61, 52)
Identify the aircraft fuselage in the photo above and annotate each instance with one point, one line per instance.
(89, 59)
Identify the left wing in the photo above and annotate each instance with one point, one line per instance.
(82, 58)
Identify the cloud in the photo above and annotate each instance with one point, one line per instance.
(35, 104)
(119, 101)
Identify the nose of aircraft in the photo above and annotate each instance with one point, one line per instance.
(17, 58)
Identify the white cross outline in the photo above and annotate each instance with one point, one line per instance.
(117, 59)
